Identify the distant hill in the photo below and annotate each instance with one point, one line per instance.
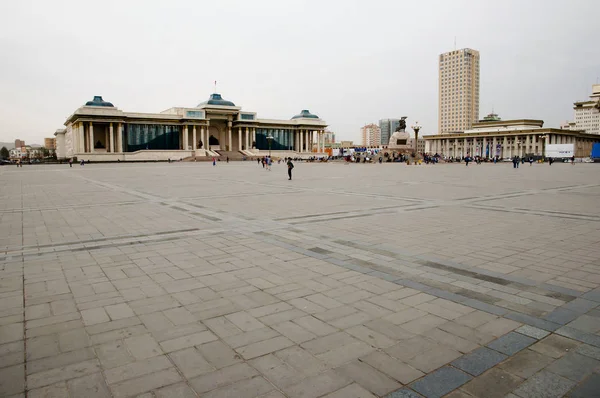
(8, 145)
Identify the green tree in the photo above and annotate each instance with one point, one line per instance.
(4, 154)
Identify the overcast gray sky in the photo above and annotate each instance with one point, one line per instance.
(350, 62)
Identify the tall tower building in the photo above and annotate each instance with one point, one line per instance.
(587, 113)
(371, 135)
(387, 127)
(459, 90)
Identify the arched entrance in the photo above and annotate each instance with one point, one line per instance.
(212, 140)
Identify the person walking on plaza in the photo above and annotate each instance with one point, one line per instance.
(227, 159)
(214, 162)
(290, 166)
(71, 162)
(531, 160)
(572, 160)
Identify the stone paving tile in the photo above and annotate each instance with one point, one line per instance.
(440, 382)
(574, 366)
(353, 390)
(544, 385)
(493, 383)
(532, 332)
(555, 346)
(526, 363)
(404, 393)
(479, 361)
(319, 385)
(392, 367)
(588, 388)
(180, 390)
(588, 350)
(511, 343)
(368, 377)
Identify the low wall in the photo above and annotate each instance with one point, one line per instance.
(138, 156)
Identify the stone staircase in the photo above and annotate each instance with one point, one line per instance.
(232, 155)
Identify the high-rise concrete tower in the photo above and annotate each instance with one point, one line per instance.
(459, 90)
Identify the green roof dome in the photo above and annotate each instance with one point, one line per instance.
(305, 114)
(98, 101)
(216, 99)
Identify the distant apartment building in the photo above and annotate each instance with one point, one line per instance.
(587, 113)
(420, 144)
(387, 127)
(458, 90)
(50, 143)
(329, 137)
(19, 143)
(371, 135)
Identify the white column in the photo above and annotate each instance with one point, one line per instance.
(229, 140)
(239, 138)
(247, 138)
(202, 137)
(81, 137)
(253, 134)
(186, 137)
(493, 149)
(296, 141)
(308, 143)
(301, 139)
(111, 137)
(318, 135)
(194, 138)
(120, 136)
(91, 137)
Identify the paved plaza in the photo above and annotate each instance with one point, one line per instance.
(350, 281)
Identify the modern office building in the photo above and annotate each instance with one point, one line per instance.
(371, 135)
(387, 127)
(98, 131)
(458, 90)
(506, 139)
(587, 113)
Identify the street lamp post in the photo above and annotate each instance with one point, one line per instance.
(270, 140)
(416, 127)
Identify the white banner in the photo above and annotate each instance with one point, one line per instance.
(560, 150)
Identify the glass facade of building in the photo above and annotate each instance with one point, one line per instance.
(388, 127)
(150, 136)
(283, 139)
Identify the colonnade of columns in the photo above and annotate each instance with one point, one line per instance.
(84, 139)
(502, 146)
(304, 139)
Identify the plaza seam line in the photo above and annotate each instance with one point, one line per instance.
(490, 308)
(24, 304)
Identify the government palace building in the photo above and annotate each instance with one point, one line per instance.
(98, 131)
(493, 137)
